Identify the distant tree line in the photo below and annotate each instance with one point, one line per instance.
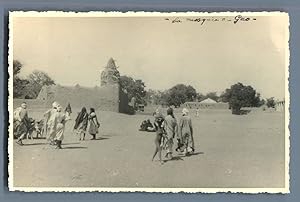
(237, 96)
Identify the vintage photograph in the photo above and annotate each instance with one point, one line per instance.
(148, 101)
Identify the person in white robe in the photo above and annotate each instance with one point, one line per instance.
(50, 123)
(61, 119)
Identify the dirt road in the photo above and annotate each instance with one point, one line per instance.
(231, 151)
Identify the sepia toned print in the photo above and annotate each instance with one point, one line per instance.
(152, 102)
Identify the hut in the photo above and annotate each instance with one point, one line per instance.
(206, 104)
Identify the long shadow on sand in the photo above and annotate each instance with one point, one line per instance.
(32, 144)
(75, 147)
(101, 138)
(39, 138)
(193, 154)
(71, 143)
(175, 158)
(180, 157)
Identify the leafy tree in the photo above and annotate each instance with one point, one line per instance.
(17, 66)
(134, 88)
(257, 101)
(180, 94)
(18, 83)
(164, 98)
(271, 102)
(240, 96)
(224, 97)
(19, 87)
(200, 97)
(212, 95)
(37, 79)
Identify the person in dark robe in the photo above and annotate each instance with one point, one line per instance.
(150, 127)
(68, 110)
(147, 126)
(81, 123)
(143, 126)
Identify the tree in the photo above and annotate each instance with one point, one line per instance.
(134, 88)
(37, 79)
(212, 95)
(240, 96)
(257, 101)
(224, 97)
(19, 87)
(18, 83)
(180, 94)
(17, 66)
(271, 102)
(200, 97)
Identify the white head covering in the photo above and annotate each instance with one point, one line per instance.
(24, 105)
(55, 104)
(185, 111)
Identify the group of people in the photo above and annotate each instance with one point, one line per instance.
(167, 129)
(81, 123)
(55, 120)
(54, 123)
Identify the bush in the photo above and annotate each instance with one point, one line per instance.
(271, 102)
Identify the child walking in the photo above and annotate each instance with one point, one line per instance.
(158, 123)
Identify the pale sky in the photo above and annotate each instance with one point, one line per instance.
(210, 57)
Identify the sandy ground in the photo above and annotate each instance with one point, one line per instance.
(231, 152)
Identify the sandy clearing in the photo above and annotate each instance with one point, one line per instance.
(231, 151)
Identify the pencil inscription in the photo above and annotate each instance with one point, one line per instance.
(203, 20)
